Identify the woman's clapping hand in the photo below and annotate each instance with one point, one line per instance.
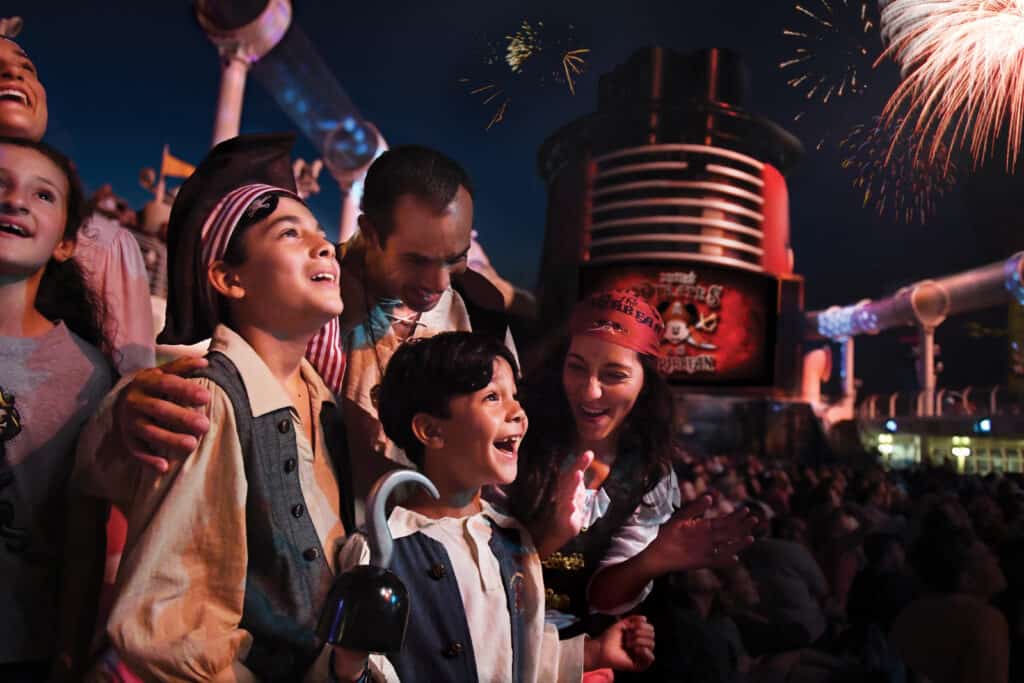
(689, 540)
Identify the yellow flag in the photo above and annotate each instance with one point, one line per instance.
(174, 167)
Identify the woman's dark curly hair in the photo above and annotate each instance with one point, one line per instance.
(645, 438)
(63, 294)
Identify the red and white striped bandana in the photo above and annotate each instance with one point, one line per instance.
(324, 351)
(220, 226)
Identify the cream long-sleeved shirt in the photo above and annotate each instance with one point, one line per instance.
(181, 585)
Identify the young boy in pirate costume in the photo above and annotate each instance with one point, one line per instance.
(230, 553)
(474, 578)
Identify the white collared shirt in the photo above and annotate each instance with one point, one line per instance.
(467, 543)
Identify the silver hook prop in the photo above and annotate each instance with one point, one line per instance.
(377, 531)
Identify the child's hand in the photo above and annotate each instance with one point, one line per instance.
(638, 638)
(566, 519)
(349, 665)
(571, 497)
(627, 645)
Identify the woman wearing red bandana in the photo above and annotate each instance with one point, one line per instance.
(600, 393)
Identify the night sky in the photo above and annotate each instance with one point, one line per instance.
(125, 79)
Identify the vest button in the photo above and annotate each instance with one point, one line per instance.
(453, 650)
(310, 554)
(284, 426)
(289, 465)
(298, 510)
(438, 571)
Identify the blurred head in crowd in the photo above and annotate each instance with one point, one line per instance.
(790, 529)
(738, 588)
(949, 558)
(884, 552)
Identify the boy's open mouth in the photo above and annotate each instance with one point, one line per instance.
(508, 444)
(12, 229)
(324, 277)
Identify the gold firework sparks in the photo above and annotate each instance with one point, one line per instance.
(522, 45)
(489, 92)
(891, 175)
(523, 64)
(572, 64)
(499, 115)
(842, 30)
(963, 66)
(835, 46)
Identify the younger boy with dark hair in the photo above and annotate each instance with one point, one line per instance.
(474, 577)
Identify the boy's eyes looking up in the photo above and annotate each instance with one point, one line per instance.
(291, 227)
(493, 395)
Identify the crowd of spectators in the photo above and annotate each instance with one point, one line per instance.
(857, 573)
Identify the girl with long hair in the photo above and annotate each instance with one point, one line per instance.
(53, 374)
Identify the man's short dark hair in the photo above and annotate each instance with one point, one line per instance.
(425, 173)
(424, 376)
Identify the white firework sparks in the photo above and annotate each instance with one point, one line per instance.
(963, 66)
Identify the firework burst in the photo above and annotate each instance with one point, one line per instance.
(522, 45)
(891, 175)
(837, 43)
(572, 65)
(488, 92)
(523, 65)
(963, 67)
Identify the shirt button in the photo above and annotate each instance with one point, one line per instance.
(453, 650)
(289, 465)
(438, 572)
(284, 426)
(310, 554)
(298, 510)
